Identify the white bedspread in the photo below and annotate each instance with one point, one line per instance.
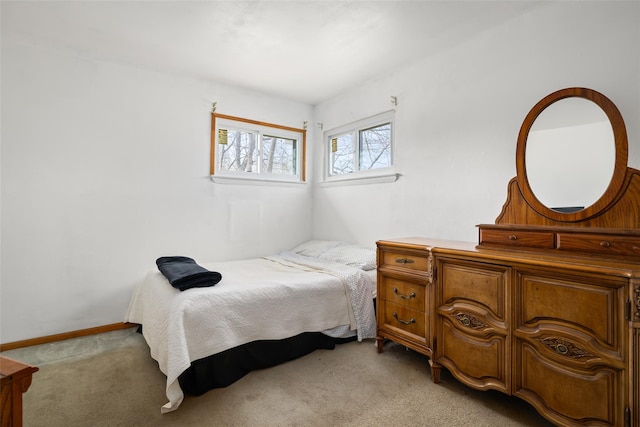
(263, 298)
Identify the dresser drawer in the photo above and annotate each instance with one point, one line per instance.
(479, 361)
(408, 294)
(592, 311)
(531, 239)
(577, 392)
(404, 318)
(483, 286)
(599, 243)
(405, 261)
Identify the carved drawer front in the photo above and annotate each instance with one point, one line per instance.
(475, 283)
(481, 362)
(532, 239)
(586, 307)
(405, 319)
(409, 294)
(472, 320)
(405, 261)
(566, 393)
(599, 243)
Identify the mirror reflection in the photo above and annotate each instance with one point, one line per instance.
(570, 154)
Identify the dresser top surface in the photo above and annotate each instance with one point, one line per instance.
(619, 266)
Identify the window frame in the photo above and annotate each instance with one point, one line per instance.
(355, 128)
(262, 128)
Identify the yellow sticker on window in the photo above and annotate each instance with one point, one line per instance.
(222, 136)
(334, 145)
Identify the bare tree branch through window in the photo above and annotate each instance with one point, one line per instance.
(360, 148)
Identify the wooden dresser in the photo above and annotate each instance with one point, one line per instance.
(545, 307)
(15, 379)
(559, 331)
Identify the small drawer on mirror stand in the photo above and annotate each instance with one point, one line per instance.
(599, 243)
(517, 237)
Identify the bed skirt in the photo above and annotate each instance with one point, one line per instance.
(223, 369)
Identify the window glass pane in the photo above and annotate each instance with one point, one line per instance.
(278, 155)
(375, 147)
(342, 154)
(239, 153)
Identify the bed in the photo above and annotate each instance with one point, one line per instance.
(262, 312)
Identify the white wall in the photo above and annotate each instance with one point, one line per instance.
(105, 168)
(459, 114)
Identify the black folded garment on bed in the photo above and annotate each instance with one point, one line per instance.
(183, 273)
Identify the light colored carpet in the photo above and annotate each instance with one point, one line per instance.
(110, 380)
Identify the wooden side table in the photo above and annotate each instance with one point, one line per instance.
(15, 379)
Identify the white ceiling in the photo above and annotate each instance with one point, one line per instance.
(306, 51)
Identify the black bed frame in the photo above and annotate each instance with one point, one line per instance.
(227, 367)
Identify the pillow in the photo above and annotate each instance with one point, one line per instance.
(355, 256)
(315, 248)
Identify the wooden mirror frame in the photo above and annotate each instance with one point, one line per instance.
(610, 227)
(621, 155)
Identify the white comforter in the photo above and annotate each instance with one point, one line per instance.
(263, 298)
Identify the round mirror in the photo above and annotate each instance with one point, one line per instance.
(572, 154)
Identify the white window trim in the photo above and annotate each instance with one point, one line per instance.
(361, 180)
(237, 180)
(370, 176)
(246, 178)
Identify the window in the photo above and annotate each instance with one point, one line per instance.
(248, 149)
(360, 149)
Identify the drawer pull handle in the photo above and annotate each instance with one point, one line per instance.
(512, 237)
(404, 260)
(605, 244)
(564, 348)
(404, 322)
(411, 295)
(469, 321)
